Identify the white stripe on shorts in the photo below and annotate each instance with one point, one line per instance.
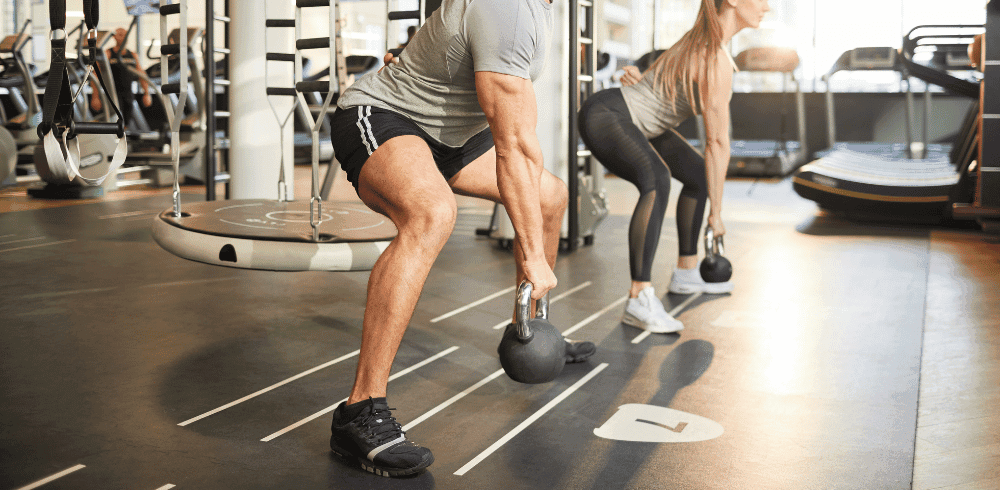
(366, 129)
(361, 127)
(368, 124)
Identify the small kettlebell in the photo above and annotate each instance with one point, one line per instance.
(534, 351)
(715, 267)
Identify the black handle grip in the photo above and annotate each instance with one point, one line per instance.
(279, 57)
(404, 14)
(317, 86)
(169, 49)
(396, 52)
(171, 88)
(281, 91)
(311, 3)
(94, 128)
(279, 23)
(313, 43)
(173, 8)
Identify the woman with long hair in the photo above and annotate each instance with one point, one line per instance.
(631, 132)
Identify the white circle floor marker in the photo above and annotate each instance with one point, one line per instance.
(636, 422)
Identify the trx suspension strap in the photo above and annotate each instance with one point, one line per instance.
(58, 130)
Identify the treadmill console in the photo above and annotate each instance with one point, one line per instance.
(872, 58)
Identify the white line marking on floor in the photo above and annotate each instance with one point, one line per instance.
(8, 236)
(56, 476)
(168, 486)
(56, 294)
(187, 283)
(453, 399)
(334, 406)
(642, 336)
(23, 240)
(594, 316)
(551, 301)
(36, 246)
(473, 304)
(142, 218)
(548, 406)
(269, 388)
(130, 213)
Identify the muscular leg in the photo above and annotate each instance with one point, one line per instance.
(401, 181)
(479, 179)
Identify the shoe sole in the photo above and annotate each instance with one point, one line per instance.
(374, 469)
(637, 323)
(705, 290)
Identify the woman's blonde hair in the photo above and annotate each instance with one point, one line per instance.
(703, 40)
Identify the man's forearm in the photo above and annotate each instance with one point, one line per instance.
(519, 170)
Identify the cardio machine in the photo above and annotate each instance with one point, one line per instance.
(917, 182)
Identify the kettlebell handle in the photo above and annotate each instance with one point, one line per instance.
(713, 244)
(523, 310)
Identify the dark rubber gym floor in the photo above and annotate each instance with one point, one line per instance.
(118, 356)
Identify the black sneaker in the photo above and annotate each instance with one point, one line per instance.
(579, 350)
(374, 440)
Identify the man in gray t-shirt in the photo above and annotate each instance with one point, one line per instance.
(455, 115)
(434, 82)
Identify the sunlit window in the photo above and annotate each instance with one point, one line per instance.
(821, 30)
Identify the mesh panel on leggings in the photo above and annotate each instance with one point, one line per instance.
(607, 129)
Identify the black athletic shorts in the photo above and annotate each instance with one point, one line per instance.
(358, 131)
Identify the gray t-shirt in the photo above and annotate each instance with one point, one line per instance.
(651, 110)
(434, 82)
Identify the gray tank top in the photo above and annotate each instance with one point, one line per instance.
(651, 109)
(434, 83)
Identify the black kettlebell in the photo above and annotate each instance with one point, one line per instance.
(715, 267)
(534, 351)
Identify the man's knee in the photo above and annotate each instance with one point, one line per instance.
(432, 218)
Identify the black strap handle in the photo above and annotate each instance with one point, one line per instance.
(317, 86)
(91, 13)
(281, 91)
(170, 49)
(170, 9)
(313, 43)
(312, 3)
(279, 23)
(57, 14)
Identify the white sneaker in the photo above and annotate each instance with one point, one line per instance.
(689, 281)
(646, 312)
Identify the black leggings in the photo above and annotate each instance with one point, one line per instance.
(607, 129)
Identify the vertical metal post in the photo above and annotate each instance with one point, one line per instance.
(210, 161)
(909, 114)
(988, 193)
(227, 74)
(573, 163)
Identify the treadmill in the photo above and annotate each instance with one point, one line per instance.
(915, 182)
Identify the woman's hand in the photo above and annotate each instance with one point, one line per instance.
(387, 59)
(715, 222)
(631, 76)
(95, 103)
(147, 100)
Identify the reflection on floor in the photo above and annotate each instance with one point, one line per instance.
(126, 367)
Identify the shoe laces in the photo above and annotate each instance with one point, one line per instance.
(381, 425)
